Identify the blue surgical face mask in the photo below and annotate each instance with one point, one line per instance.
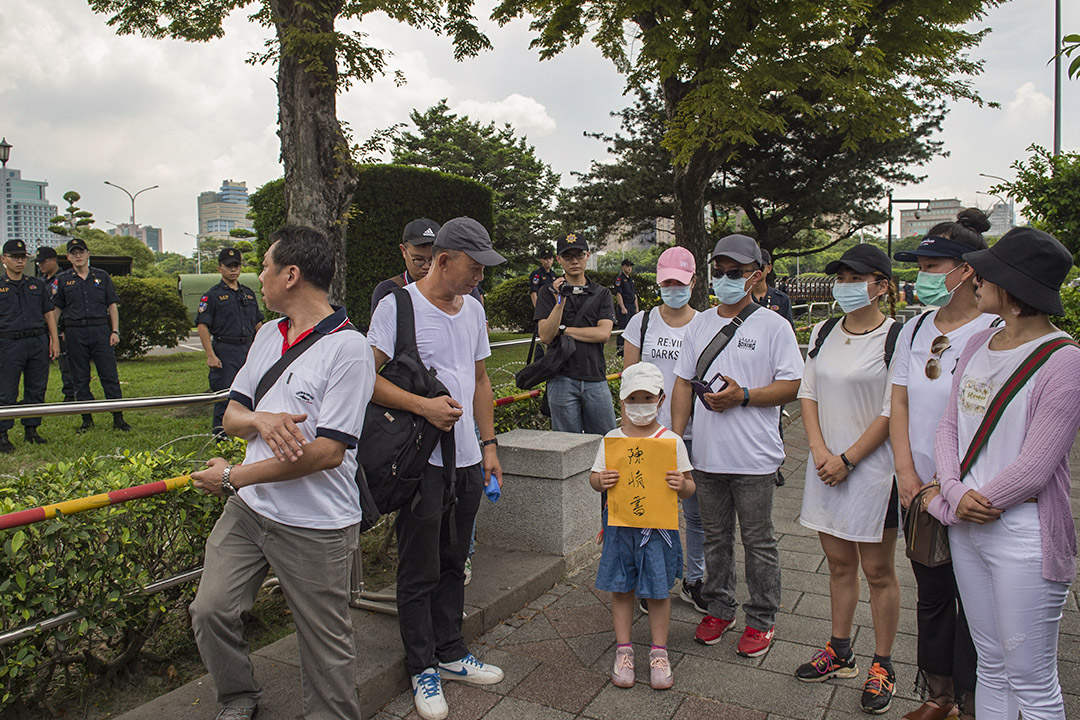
(675, 296)
(851, 296)
(728, 291)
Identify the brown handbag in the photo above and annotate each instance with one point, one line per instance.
(926, 540)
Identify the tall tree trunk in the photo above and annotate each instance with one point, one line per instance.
(320, 177)
(691, 180)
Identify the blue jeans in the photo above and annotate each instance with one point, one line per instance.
(580, 406)
(695, 534)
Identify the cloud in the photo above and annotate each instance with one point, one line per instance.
(1027, 104)
(526, 115)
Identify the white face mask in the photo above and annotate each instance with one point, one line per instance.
(641, 413)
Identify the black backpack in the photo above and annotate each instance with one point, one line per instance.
(395, 445)
(828, 325)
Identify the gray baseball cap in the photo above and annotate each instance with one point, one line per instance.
(470, 237)
(740, 248)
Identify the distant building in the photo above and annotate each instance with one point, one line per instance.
(919, 221)
(1002, 219)
(150, 235)
(26, 211)
(224, 210)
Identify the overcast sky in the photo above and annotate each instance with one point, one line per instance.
(81, 105)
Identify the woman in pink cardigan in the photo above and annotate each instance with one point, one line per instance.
(1011, 527)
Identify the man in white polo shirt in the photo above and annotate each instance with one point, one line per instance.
(737, 447)
(293, 503)
(433, 535)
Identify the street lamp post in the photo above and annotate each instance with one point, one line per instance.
(126, 192)
(198, 253)
(899, 201)
(5, 154)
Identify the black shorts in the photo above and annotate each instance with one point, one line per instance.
(892, 513)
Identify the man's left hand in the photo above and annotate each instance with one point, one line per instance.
(209, 480)
(113, 339)
(729, 397)
(492, 465)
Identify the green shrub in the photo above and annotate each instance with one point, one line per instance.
(151, 313)
(97, 563)
(387, 198)
(1070, 321)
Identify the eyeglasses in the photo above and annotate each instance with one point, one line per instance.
(570, 256)
(419, 261)
(937, 348)
(730, 274)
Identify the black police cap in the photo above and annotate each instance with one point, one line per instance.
(77, 244)
(15, 248)
(228, 256)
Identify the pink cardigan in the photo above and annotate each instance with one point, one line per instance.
(1041, 470)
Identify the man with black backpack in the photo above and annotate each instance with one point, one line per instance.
(293, 503)
(738, 364)
(434, 526)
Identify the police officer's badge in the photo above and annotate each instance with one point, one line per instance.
(202, 304)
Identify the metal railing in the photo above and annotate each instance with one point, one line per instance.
(118, 405)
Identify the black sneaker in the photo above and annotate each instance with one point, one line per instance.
(691, 593)
(119, 424)
(644, 605)
(825, 664)
(87, 424)
(878, 690)
(5, 443)
(31, 436)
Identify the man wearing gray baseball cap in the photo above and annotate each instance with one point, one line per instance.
(736, 394)
(451, 337)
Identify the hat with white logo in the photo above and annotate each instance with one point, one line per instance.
(420, 232)
(676, 263)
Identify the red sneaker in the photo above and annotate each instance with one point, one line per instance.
(710, 629)
(755, 643)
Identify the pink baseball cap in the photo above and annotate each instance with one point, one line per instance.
(676, 263)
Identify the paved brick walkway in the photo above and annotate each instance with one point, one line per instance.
(557, 652)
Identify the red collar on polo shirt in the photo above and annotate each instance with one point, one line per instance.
(329, 324)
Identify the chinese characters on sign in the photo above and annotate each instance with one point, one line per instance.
(642, 498)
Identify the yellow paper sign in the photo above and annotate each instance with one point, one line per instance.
(642, 498)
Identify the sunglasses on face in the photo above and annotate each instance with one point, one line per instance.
(730, 274)
(937, 348)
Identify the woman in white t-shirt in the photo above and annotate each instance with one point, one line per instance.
(928, 350)
(675, 274)
(850, 497)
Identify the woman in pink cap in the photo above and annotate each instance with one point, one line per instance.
(656, 336)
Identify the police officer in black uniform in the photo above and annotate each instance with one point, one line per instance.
(86, 299)
(543, 275)
(771, 297)
(49, 265)
(626, 304)
(27, 340)
(228, 319)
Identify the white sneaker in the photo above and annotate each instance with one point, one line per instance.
(428, 695)
(471, 670)
(468, 570)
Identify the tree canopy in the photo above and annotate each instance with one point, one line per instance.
(1050, 186)
(74, 218)
(523, 185)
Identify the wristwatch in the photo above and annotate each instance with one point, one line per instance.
(562, 329)
(847, 463)
(227, 488)
(745, 396)
(492, 441)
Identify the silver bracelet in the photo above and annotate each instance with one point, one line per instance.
(227, 488)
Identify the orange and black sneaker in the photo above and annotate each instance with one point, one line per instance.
(825, 664)
(878, 690)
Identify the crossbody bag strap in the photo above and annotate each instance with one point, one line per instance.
(271, 376)
(721, 339)
(1004, 396)
(405, 338)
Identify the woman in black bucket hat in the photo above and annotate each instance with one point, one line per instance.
(1003, 463)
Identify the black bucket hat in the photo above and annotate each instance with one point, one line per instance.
(863, 258)
(1030, 264)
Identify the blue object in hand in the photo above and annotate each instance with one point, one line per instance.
(492, 489)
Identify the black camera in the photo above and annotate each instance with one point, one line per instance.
(566, 289)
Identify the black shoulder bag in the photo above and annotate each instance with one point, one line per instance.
(549, 364)
(395, 445)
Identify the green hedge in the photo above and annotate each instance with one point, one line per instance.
(509, 306)
(97, 563)
(386, 199)
(1070, 322)
(151, 314)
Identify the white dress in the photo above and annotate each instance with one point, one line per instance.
(849, 381)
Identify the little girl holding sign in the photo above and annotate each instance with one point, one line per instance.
(645, 468)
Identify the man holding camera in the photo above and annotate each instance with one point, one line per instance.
(579, 309)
